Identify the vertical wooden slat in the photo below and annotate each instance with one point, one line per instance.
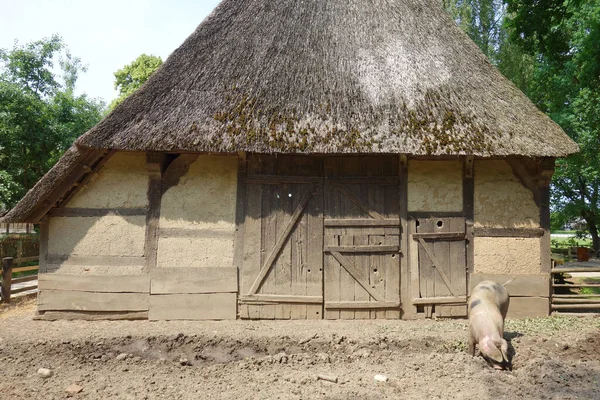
(313, 253)
(7, 266)
(155, 164)
(362, 263)
(469, 210)
(408, 311)
(252, 237)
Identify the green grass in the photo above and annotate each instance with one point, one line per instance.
(565, 232)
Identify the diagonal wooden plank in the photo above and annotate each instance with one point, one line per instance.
(436, 264)
(358, 201)
(281, 241)
(349, 266)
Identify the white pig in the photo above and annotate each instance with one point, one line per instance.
(488, 306)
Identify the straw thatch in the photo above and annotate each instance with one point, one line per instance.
(314, 76)
(336, 76)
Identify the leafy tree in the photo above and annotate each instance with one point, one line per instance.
(129, 78)
(564, 38)
(40, 115)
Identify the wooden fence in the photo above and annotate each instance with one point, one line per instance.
(11, 286)
(8, 229)
(568, 298)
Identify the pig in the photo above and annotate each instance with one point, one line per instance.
(488, 306)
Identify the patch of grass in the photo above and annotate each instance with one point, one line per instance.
(564, 232)
(550, 325)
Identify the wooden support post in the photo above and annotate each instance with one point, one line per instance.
(408, 311)
(240, 213)
(545, 176)
(469, 211)
(7, 267)
(155, 163)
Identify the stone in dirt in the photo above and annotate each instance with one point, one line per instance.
(122, 356)
(74, 389)
(381, 378)
(45, 373)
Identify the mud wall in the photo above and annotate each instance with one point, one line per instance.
(109, 244)
(435, 186)
(197, 219)
(501, 200)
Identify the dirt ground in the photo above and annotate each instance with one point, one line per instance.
(554, 358)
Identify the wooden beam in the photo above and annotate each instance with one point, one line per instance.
(281, 179)
(581, 300)
(432, 214)
(561, 270)
(365, 180)
(440, 300)
(96, 283)
(96, 212)
(155, 163)
(282, 240)
(546, 172)
(60, 300)
(194, 280)
(363, 249)
(177, 169)
(91, 316)
(448, 236)
(24, 279)
(595, 306)
(275, 298)
(240, 215)
(358, 305)
(392, 223)
(509, 232)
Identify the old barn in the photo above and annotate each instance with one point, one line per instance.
(310, 159)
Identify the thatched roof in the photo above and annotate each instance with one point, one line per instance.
(336, 76)
(313, 76)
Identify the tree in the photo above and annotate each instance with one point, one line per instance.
(129, 78)
(564, 38)
(40, 116)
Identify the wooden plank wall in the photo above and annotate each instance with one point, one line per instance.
(529, 294)
(193, 293)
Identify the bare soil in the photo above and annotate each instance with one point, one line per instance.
(554, 358)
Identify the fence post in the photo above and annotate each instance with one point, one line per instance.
(7, 266)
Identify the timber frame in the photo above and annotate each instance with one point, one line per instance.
(165, 171)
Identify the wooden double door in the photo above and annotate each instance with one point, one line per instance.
(321, 238)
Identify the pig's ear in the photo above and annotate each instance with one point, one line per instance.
(489, 349)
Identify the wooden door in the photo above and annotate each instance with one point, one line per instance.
(440, 257)
(282, 271)
(361, 238)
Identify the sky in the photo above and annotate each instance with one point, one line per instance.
(105, 34)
